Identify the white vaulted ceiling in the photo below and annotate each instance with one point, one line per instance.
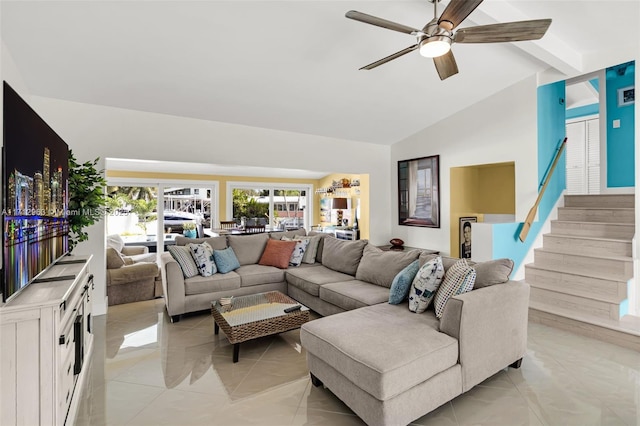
(290, 65)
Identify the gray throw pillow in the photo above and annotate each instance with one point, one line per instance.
(380, 267)
(492, 272)
(341, 255)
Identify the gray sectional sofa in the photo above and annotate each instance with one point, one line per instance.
(388, 364)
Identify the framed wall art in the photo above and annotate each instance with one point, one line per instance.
(465, 236)
(419, 192)
(626, 96)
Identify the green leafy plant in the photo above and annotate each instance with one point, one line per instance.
(145, 211)
(189, 226)
(86, 198)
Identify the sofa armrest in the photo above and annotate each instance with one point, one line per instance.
(133, 250)
(131, 273)
(172, 284)
(490, 324)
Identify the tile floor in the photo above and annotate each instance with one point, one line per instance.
(147, 371)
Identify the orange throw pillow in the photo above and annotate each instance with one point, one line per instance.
(277, 253)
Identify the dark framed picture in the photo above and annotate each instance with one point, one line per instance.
(626, 96)
(465, 236)
(419, 192)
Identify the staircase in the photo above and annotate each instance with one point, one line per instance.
(579, 277)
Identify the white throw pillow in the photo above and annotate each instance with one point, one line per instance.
(298, 251)
(425, 284)
(312, 249)
(459, 279)
(203, 257)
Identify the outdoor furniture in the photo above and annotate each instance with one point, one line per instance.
(249, 317)
(254, 229)
(227, 224)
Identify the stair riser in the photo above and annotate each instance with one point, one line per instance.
(604, 230)
(610, 268)
(610, 201)
(577, 304)
(604, 215)
(563, 244)
(576, 285)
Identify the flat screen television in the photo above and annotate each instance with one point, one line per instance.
(35, 195)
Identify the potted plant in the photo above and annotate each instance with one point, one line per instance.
(87, 199)
(189, 229)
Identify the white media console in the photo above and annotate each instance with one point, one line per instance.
(45, 340)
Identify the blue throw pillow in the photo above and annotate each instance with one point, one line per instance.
(226, 260)
(401, 284)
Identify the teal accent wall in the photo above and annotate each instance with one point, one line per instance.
(551, 132)
(620, 142)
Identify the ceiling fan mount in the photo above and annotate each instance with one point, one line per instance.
(435, 39)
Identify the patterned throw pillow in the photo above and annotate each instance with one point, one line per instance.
(203, 256)
(459, 279)
(226, 260)
(182, 255)
(401, 284)
(425, 285)
(298, 252)
(312, 249)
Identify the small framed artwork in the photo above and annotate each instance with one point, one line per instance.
(626, 96)
(465, 236)
(419, 192)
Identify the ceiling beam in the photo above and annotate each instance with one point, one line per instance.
(550, 49)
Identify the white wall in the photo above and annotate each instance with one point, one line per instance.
(97, 131)
(498, 129)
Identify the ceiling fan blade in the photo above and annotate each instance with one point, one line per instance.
(509, 31)
(389, 58)
(457, 11)
(446, 65)
(379, 22)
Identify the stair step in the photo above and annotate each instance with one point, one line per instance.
(611, 291)
(571, 303)
(606, 267)
(624, 332)
(602, 200)
(595, 246)
(593, 229)
(607, 215)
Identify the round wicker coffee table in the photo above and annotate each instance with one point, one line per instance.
(256, 315)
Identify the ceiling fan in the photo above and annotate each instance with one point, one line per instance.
(434, 40)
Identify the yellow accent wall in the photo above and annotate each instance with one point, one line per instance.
(479, 190)
(223, 180)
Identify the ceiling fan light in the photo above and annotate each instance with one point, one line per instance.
(433, 47)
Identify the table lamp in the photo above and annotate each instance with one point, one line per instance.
(339, 204)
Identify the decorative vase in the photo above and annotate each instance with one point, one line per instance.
(189, 233)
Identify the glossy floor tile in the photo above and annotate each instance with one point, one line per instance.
(147, 371)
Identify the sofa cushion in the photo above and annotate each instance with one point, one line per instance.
(289, 234)
(311, 251)
(425, 285)
(380, 267)
(251, 275)
(114, 259)
(341, 255)
(248, 248)
(216, 243)
(383, 348)
(142, 257)
(213, 283)
(182, 255)
(277, 253)
(203, 256)
(353, 294)
(322, 236)
(310, 279)
(458, 279)
(401, 283)
(226, 260)
(492, 272)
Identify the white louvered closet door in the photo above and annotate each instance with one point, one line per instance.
(583, 157)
